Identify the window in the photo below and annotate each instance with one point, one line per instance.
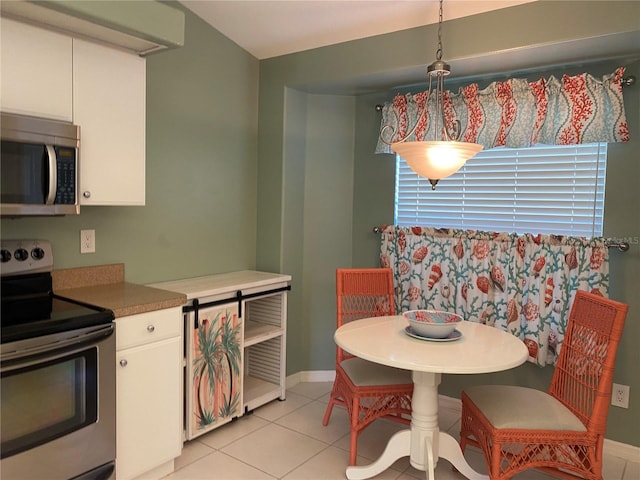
(548, 189)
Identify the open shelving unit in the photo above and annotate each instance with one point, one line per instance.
(264, 349)
(258, 302)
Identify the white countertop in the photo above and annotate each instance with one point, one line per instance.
(224, 283)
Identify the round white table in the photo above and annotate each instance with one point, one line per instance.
(481, 349)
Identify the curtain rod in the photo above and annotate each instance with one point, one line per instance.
(626, 82)
(611, 243)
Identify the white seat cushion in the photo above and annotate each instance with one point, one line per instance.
(507, 406)
(364, 373)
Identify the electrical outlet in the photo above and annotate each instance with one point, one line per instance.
(87, 241)
(620, 395)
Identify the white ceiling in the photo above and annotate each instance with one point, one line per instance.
(268, 28)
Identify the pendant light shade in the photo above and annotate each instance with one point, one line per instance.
(437, 159)
(444, 155)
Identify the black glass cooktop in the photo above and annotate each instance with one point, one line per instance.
(30, 309)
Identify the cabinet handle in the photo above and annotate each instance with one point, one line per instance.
(150, 328)
(86, 194)
(123, 363)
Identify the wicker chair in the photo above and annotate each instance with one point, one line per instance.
(368, 390)
(560, 431)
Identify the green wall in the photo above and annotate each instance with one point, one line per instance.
(201, 172)
(365, 69)
(318, 179)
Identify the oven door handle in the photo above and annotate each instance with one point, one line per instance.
(76, 340)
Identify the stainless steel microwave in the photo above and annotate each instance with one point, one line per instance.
(38, 166)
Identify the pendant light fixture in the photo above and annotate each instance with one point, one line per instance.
(444, 155)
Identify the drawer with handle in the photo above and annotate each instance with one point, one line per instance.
(148, 327)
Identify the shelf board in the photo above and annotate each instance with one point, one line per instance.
(257, 392)
(256, 332)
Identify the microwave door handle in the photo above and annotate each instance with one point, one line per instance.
(53, 174)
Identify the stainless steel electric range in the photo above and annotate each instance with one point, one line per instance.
(57, 367)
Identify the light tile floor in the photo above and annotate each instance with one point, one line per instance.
(286, 440)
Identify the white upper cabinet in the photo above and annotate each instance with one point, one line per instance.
(109, 92)
(36, 71)
(100, 89)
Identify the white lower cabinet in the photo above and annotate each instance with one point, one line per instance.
(149, 393)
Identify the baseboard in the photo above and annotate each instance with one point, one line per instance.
(611, 447)
(625, 451)
(310, 376)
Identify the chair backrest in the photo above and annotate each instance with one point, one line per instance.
(583, 375)
(362, 293)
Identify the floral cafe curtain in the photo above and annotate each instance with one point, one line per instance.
(516, 113)
(522, 284)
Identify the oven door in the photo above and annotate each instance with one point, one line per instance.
(58, 405)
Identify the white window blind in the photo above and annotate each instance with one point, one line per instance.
(548, 189)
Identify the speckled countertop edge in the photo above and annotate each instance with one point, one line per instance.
(104, 286)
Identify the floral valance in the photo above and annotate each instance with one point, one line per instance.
(516, 113)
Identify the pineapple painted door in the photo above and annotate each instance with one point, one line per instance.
(214, 368)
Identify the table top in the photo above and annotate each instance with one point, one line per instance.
(383, 340)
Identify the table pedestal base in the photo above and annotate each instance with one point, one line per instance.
(424, 442)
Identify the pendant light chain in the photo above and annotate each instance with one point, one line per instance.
(439, 51)
(441, 132)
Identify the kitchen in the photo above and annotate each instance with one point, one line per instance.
(234, 178)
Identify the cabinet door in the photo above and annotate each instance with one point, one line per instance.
(36, 71)
(214, 368)
(149, 406)
(109, 89)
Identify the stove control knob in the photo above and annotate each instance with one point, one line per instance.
(5, 255)
(21, 254)
(37, 253)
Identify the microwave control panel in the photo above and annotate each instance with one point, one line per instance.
(66, 171)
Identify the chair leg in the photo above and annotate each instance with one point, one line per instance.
(327, 413)
(332, 402)
(495, 462)
(353, 445)
(465, 431)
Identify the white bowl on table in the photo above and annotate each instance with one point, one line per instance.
(432, 323)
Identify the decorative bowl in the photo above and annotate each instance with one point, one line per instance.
(432, 323)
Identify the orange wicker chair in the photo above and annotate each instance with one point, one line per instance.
(368, 390)
(560, 431)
